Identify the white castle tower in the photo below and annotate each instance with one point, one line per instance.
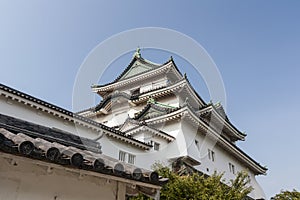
(161, 118)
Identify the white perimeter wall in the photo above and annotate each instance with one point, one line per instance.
(27, 181)
(27, 113)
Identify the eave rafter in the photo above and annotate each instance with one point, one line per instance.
(169, 66)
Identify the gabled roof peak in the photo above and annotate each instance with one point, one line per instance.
(137, 66)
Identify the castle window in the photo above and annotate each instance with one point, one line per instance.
(231, 168)
(197, 144)
(156, 146)
(211, 155)
(122, 156)
(131, 158)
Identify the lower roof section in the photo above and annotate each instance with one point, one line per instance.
(22, 144)
(15, 125)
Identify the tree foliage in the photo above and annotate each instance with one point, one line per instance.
(195, 186)
(287, 195)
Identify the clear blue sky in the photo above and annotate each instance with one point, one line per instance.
(255, 44)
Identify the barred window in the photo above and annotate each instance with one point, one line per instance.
(156, 146)
(231, 168)
(131, 158)
(122, 156)
(211, 155)
(197, 144)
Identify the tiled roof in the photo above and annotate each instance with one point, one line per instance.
(109, 98)
(206, 116)
(51, 134)
(50, 150)
(194, 90)
(162, 110)
(135, 97)
(154, 67)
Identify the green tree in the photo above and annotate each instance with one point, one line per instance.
(287, 195)
(195, 186)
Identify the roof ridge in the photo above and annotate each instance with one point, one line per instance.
(142, 60)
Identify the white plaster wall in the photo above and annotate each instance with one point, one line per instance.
(144, 158)
(222, 158)
(27, 113)
(111, 147)
(28, 181)
(118, 114)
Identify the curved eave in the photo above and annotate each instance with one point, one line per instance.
(235, 132)
(92, 113)
(134, 59)
(168, 90)
(228, 121)
(128, 122)
(109, 98)
(193, 91)
(158, 133)
(155, 107)
(168, 67)
(167, 117)
(241, 155)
